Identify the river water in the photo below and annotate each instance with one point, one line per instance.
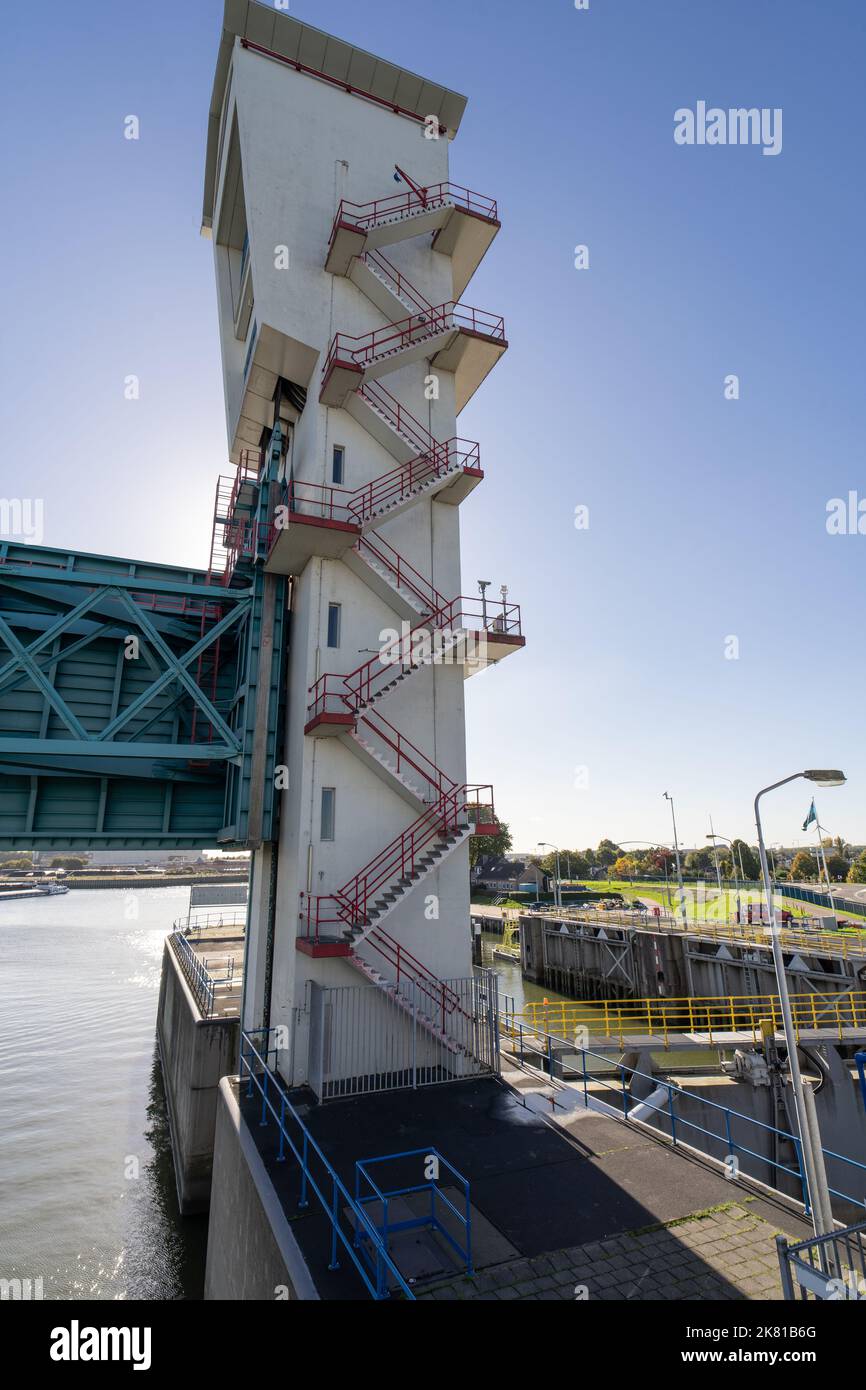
(87, 1195)
(512, 986)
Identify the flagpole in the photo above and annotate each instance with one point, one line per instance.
(822, 853)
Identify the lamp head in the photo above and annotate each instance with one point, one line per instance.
(826, 776)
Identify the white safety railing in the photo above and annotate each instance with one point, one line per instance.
(370, 1038)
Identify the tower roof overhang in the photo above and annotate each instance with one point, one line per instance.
(319, 54)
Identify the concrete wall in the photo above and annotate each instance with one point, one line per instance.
(251, 1252)
(302, 145)
(195, 1053)
(580, 963)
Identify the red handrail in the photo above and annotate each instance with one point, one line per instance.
(366, 215)
(353, 507)
(322, 500)
(398, 859)
(399, 418)
(408, 753)
(404, 575)
(397, 281)
(458, 615)
(249, 467)
(394, 337)
(390, 486)
(408, 965)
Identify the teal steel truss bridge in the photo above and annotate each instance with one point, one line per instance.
(140, 704)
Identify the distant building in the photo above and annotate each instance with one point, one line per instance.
(121, 858)
(502, 875)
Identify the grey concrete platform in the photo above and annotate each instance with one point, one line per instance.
(540, 1185)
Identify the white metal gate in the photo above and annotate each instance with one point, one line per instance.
(367, 1038)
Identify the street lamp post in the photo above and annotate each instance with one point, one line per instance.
(557, 889)
(655, 845)
(711, 836)
(725, 841)
(669, 798)
(819, 1200)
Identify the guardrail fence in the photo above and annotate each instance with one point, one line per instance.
(388, 1204)
(196, 974)
(712, 1015)
(353, 1234)
(737, 1135)
(368, 1038)
(831, 1267)
(200, 978)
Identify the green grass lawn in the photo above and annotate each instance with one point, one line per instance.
(710, 907)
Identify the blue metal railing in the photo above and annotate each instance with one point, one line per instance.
(196, 972)
(428, 1221)
(831, 1267)
(362, 1242)
(860, 1059)
(553, 1044)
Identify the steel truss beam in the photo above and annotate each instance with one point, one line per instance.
(103, 744)
(176, 749)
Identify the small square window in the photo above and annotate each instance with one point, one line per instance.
(329, 806)
(334, 614)
(338, 465)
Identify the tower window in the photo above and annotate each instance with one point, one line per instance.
(329, 806)
(338, 465)
(334, 612)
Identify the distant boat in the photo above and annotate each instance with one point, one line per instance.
(51, 890)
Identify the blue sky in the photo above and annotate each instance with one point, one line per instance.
(707, 516)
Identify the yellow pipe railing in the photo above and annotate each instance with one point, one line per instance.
(711, 1015)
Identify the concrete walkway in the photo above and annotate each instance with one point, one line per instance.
(724, 1253)
(564, 1199)
(711, 1239)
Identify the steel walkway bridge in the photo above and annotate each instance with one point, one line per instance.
(667, 1023)
(140, 703)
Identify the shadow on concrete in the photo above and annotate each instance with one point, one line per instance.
(535, 1187)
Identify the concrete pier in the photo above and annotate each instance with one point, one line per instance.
(251, 1251)
(195, 1053)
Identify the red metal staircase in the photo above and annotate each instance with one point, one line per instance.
(433, 333)
(346, 706)
(347, 916)
(492, 633)
(324, 520)
(463, 224)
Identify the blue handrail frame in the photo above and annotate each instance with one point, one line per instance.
(431, 1221)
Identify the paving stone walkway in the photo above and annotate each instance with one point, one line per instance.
(728, 1252)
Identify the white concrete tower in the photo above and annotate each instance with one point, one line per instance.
(342, 252)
